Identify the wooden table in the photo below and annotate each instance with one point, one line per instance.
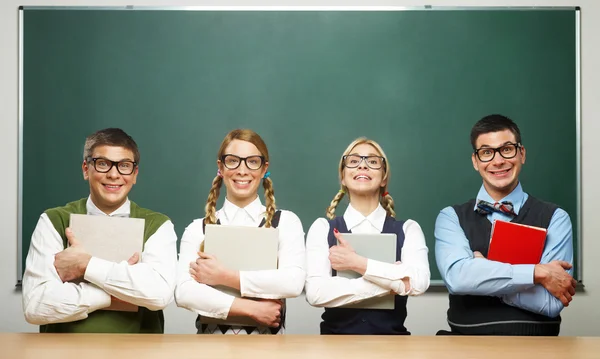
(132, 346)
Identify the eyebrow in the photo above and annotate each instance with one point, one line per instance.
(108, 159)
(370, 154)
(504, 144)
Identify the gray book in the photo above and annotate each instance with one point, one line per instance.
(113, 239)
(380, 247)
(244, 249)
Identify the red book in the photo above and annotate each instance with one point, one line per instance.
(516, 243)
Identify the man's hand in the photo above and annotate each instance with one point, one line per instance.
(134, 259)
(72, 262)
(556, 280)
(343, 256)
(117, 304)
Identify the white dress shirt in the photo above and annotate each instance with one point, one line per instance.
(149, 283)
(324, 290)
(285, 282)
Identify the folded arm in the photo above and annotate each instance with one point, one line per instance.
(288, 280)
(463, 273)
(149, 283)
(324, 290)
(559, 246)
(46, 299)
(413, 266)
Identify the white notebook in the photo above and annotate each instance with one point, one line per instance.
(114, 239)
(380, 247)
(241, 248)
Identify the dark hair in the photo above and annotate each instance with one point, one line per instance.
(110, 137)
(494, 123)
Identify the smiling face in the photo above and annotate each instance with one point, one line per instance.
(500, 175)
(109, 190)
(242, 182)
(363, 180)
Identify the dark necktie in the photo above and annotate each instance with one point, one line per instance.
(484, 207)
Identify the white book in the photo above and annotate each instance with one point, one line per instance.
(114, 239)
(244, 249)
(380, 247)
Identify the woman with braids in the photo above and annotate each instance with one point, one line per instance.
(364, 175)
(242, 163)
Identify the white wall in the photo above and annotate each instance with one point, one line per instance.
(426, 313)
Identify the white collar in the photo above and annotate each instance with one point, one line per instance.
(255, 209)
(353, 218)
(123, 211)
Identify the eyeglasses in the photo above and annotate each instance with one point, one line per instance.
(353, 161)
(104, 165)
(252, 162)
(508, 151)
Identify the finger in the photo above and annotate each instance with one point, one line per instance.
(194, 266)
(565, 265)
(338, 236)
(205, 255)
(71, 237)
(564, 300)
(574, 283)
(133, 259)
(568, 297)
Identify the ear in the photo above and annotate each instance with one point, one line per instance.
(84, 169)
(474, 160)
(523, 155)
(384, 183)
(265, 168)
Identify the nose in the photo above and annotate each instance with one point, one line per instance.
(113, 173)
(243, 168)
(363, 164)
(498, 159)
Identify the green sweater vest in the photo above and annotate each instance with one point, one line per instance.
(104, 321)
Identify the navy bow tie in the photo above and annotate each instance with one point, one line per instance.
(484, 207)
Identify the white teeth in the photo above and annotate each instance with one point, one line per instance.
(359, 177)
(242, 182)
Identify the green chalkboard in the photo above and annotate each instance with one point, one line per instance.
(308, 82)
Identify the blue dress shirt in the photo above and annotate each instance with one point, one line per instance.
(463, 274)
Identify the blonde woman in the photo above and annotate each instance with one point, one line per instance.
(364, 173)
(242, 164)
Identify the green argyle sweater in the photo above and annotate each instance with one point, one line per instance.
(104, 321)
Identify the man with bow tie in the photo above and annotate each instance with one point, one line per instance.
(494, 298)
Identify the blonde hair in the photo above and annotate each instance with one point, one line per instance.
(386, 200)
(213, 194)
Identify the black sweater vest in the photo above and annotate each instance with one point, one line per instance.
(489, 315)
(367, 321)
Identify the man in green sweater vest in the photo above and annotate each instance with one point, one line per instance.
(67, 290)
